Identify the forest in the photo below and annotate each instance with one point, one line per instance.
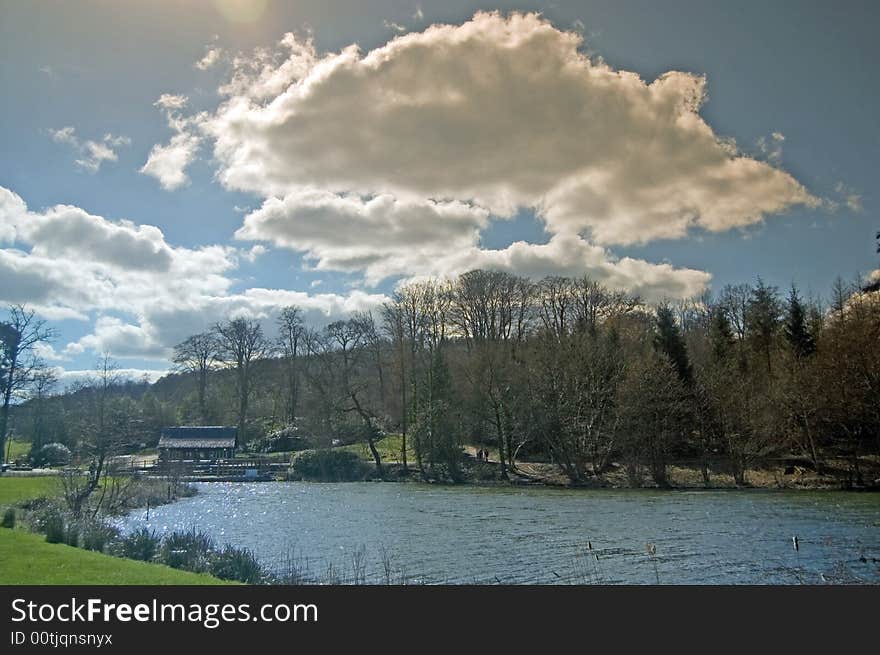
(562, 370)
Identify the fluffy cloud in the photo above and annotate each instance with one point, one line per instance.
(212, 56)
(168, 163)
(388, 237)
(67, 263)
(350, 233)
(612, 156)
(92, 153)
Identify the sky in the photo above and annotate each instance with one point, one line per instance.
(169, 164)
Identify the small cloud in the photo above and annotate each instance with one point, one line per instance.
(316, 283)
(771, 147)
(170, 101)
(168, 162)
(579, 25)
(419, 15)
(212, 56)
(92, 153)
(116, 141)
(397, 27)
(64, 135)
(849, 196)
(47, 70)
(47, 353)
(254, 253)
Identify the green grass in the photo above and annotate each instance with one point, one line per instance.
(388, 446)
(17, 489)
(27, 559)
(17, 449)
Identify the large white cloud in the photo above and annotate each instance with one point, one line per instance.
(500, 111)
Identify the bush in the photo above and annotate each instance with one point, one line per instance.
(52, 454)
(52, 523)
(282, 441)
(236, 564)
(97, 536)
(190, 550)
(8, 518)
(329, 466)
(142, 544)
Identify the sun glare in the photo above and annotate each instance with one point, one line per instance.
(241, 11)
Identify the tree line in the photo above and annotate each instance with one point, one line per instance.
(563, 370)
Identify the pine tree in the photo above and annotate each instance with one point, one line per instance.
(720, 334)
(669, 340)
(763, 316)
(797, 334)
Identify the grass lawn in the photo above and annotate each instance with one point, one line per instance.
(17, 449)
(27, 559)
(388, 447)
(16, 489)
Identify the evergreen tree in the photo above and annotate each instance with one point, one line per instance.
(720, 334)
(669, 341)
(763, 316)
(797, 334)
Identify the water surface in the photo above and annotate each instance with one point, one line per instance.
(466, 534)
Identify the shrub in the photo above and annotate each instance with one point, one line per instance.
(284, 440)
(332, 465)
(484, 472)
(8, 518)
(142, 544)
(97, 536)
(52, 454)
(236, 564)
(190, 550)
(52, 523)
(71, 534)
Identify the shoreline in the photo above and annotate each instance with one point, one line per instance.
(682, 477)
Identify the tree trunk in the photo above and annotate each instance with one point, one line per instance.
(4, 419)
(242, 407)
(376, 458)
(203, 385)
(499, 429)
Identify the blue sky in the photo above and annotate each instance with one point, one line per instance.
(371, 195)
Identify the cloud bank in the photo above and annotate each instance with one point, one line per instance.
(144, 294)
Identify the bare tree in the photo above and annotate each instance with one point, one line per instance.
(394, 323)
(104, 426)
(291, 333)
(198, 355)
(491, 311)
(349, 340)
(19, 335)
(44, 380)
(241, 343)
(595, 303)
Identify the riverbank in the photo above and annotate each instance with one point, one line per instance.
(784, 473)
(689, 475)
(27, 558)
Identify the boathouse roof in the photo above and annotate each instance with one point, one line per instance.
(198, 436)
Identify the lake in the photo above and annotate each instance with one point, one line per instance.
(465, 534)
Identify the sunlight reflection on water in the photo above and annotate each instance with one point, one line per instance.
(488, 534)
